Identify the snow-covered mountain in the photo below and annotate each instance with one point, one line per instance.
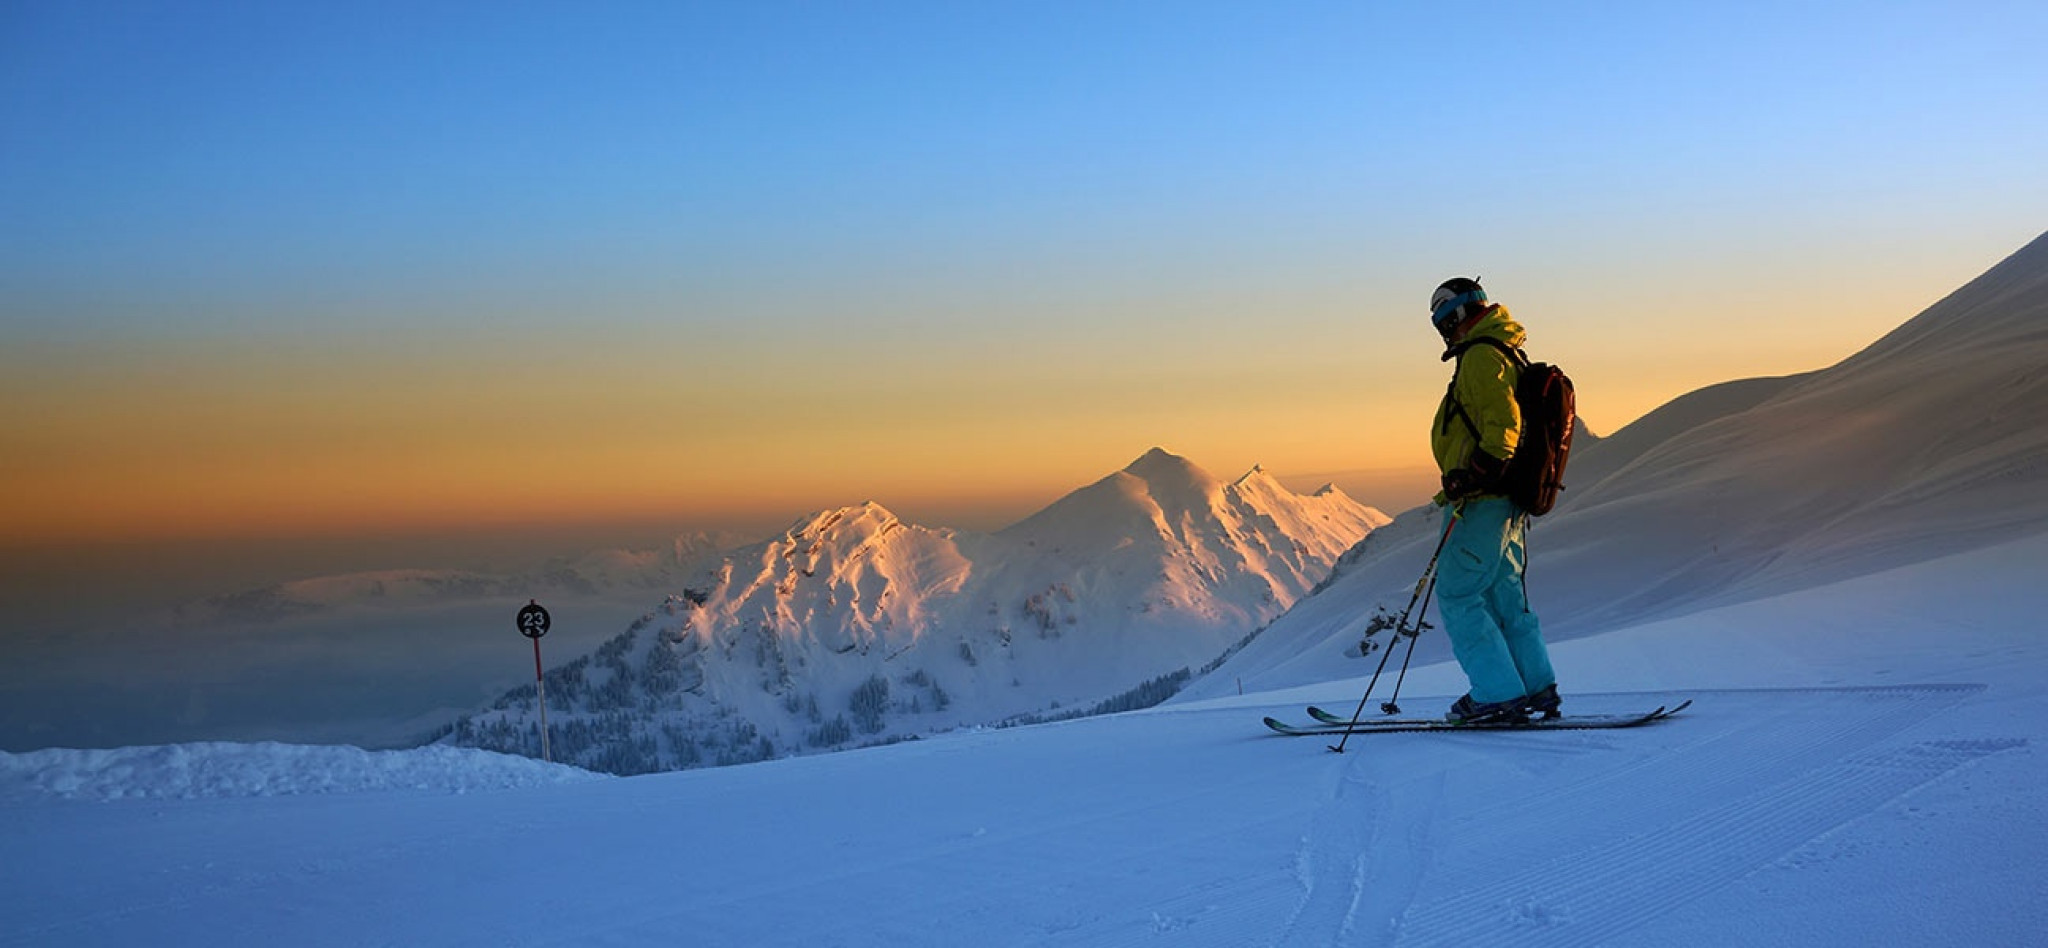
(1932, 441)
(855, 627)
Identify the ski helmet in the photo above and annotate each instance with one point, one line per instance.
(1447, 304)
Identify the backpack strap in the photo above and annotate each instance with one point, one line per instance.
(1513, 354)
(1455, 355)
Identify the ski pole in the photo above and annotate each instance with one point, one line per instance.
(1392, 704)
(1422, 585)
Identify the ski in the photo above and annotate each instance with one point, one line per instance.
(1568, 723)
(1328, 718)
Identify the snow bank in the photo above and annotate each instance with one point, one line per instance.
(194, 771)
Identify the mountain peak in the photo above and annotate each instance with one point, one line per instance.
(868, 517)
(1162, 469)
(1158, 459)
(1257, 475)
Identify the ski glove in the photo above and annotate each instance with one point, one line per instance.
(1481, 475)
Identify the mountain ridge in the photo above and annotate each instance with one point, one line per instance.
(855, 627)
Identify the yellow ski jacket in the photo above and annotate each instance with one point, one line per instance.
(1484, 389)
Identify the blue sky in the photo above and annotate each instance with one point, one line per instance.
(452, 156)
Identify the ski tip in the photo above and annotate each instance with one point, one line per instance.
(1687, 703)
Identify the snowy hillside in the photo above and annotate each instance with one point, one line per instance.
(857, 628)
(1860, 767)
(1932, 441)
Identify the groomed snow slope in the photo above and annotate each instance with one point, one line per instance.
(1860, 768)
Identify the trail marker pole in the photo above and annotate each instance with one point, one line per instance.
(533, 623)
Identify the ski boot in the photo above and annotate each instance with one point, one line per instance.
(1543, 704)
(1468, 711)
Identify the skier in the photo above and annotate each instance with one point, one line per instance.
(1479, 592)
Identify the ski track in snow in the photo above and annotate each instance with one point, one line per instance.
(1436, 839)
(1685, 820)
(1353, 856)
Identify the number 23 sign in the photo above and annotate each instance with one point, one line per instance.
(533, 621)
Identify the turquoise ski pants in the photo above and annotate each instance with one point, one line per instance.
(1479, 593)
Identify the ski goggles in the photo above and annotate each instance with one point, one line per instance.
(1447, 308)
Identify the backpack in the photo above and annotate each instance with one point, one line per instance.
(1545, 397)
